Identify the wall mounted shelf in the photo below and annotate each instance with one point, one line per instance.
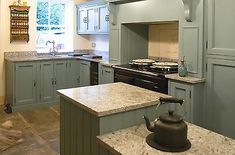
(19, 23)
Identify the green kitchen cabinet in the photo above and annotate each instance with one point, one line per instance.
(25, 83)
(192, 94)
(191, 39)
(85, 73)
(53, 76)
(114, 46)
(102, 19)
(21, 84)
(46, 74)
(106, 74)
(92, 18)
(220, 100)
(35, 83)
(73, 75)
(60, 75)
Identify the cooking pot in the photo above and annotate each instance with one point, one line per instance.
(170, 131)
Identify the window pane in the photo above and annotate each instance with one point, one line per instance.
(57, 14)
(42, 28)
(42, 13)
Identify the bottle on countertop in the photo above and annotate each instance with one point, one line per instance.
(182, 68)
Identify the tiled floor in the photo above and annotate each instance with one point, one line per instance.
(40, 131)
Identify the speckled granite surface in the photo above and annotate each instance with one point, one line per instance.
(131, 141)
(34, 56)
(111, 98)
(187, 79)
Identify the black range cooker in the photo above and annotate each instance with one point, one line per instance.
(145, 76)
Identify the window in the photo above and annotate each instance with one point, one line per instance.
(54, 22)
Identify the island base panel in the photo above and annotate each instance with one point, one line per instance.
(79, 128)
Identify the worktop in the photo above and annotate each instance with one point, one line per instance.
(131, 141)
(28, 56)
(111, 98)
(186, 79)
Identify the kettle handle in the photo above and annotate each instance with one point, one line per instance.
(170, 100)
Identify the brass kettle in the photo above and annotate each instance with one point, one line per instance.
(169, 129)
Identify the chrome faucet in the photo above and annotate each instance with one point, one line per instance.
(53, 51)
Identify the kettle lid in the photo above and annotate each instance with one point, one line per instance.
(170, 117)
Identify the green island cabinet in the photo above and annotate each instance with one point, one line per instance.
(192, 94)
(92, 18)
(106, 74)
(34, 83)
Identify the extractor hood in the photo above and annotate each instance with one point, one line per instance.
(122, 1)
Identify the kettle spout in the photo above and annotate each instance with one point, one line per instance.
(149, 125)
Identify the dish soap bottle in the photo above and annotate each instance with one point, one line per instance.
(182, 68)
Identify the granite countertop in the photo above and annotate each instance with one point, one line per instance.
(187, 79)
(111, 98)
(33, 56)
(131, 141)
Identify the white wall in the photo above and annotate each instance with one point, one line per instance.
(80, 42)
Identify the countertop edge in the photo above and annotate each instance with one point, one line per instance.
(107, 146)
(187, 79)
(31, 58)
(109, 112)
(112, 111)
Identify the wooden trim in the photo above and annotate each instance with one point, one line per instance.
(2, 100)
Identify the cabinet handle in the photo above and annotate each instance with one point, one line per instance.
(107, 18)
(34, 83)
(55, 81)
(107, 71)
(84, 20)
(156, 86)
(78, 80)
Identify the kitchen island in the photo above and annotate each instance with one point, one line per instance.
(131, 141)
(86, 112)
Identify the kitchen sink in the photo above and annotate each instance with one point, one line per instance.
(52, 56)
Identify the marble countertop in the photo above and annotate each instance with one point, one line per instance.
(111, 98)
(187, 79)
(131, 141)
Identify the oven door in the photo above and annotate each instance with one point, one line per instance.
(155, 85)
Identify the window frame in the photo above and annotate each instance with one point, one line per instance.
(50, 32)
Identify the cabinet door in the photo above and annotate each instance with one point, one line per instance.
(46, 81)
(220, 96)
(74, 73)
(106, 75)
(181, 91)
(60, 70)
(90, 20)
(114, 46)
(191, 44)
(25, 83)
(221, 25)
(102, 19)
(81, 20)
(84, 73)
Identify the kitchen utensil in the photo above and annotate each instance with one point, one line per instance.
(169, 130)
